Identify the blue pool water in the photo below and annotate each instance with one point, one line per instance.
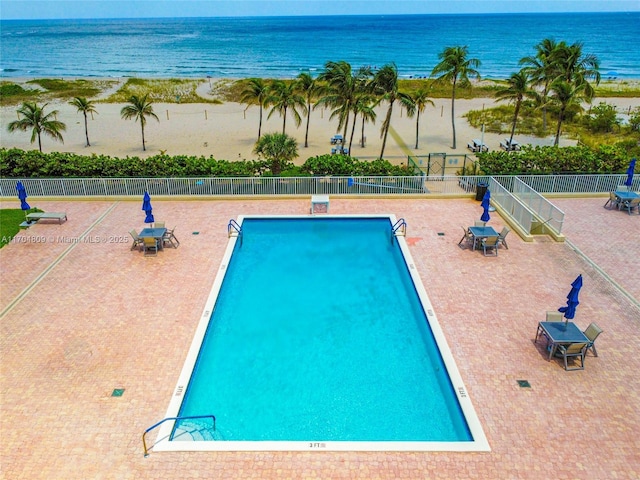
(318, 334)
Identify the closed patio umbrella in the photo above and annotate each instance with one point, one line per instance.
(485, 205)
(632, 167)
(146, 207)
(22, 195)
(572, 299)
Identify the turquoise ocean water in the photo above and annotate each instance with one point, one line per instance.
(318, 334)
(285, 46)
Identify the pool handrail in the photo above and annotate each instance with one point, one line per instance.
(144, 440)
(399, 228)
(234, 228)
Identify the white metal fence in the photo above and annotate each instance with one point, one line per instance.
(372, 185)
(519, 196)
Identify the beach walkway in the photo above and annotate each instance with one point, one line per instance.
(82, 315)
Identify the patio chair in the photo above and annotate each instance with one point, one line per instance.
(479, 223)
(490, 243)
(467, 239)
(612, 202)
(169, 237)
(573, 350)
(501, 237)
(137, 241)
(630, 205)
(555, 316)
(150, 246)
(592, 333)
(158, 225)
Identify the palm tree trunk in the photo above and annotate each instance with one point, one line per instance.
(284, 121)
(306, 132)
(386, 129)
(39, 142)
(453, 115)
(556, 142)
(353, 129)
(86, 129)
(260, 124)
(362, 133)
(515, 119)
(417, 126)
(144, 148)
(346, 123)
(544, 109)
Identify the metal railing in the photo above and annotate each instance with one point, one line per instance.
(546, 213)
(144, 435)
(577, 183)
(511, 205)
(330, 185)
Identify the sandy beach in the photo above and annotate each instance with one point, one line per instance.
(229, 131)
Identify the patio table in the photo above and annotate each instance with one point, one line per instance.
(560, 333)
(157, 233)
(623, 196)
(478, 233)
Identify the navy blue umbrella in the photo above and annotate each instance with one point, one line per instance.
(632, 167)
(572, 299)
(146, 207)
(485, 205)
(22, 195)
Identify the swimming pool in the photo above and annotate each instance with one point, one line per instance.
(318, 334)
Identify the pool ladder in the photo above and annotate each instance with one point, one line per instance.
(399, 229)
(144, 435)
(234, 229)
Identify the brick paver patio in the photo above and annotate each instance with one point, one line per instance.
(82, 319)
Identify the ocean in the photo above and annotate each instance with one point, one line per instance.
(282, 47)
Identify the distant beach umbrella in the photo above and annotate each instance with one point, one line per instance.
(572, 299)
(22, 195)
(146, 207)
(486, 203)
(632, 167)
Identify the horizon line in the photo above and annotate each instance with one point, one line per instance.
(293, 15)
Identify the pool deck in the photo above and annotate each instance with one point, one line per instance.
(82, 318)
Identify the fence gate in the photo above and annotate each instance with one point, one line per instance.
(439, 164)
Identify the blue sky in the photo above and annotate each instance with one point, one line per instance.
(32, 9)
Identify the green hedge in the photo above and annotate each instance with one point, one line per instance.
(554, 160)
(18, 163)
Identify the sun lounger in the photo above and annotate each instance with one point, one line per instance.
(36, 217)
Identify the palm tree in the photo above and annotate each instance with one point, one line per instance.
(34, 118)
(385, 83)
(565, 95)
(542, 70)
(278, 149)
(283, 97)
(139, 108)
(364, 107)
(456, 68)
(255, 92)
(420, 99)
(85, 106)
(343, 86)
(515, 91)
(576, 67)
(307, 85)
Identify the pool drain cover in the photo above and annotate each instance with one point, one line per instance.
(524, 384)
(117, 392)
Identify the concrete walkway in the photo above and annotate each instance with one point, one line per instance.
(82, 315)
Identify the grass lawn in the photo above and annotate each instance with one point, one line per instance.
(10, 220)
